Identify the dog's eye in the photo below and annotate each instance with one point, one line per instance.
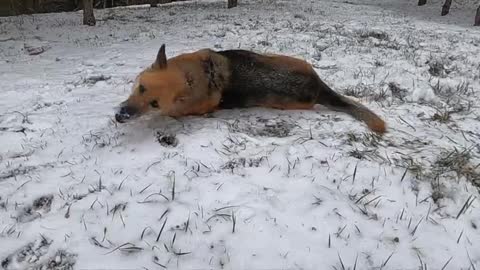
(141, 89)
(154, 104)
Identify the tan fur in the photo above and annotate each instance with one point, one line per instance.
(181, 88)
(362, 113)
(183, 85)
(377, 125)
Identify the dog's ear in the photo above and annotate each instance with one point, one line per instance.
(161, 61)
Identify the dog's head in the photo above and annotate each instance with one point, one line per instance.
(157, 88)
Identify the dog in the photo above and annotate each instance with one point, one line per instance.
(204, 81)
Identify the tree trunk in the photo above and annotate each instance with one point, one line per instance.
(153, 3)
(231, 3)
(477, 17)
(446, 7)
(29, 6)
(36, 6)
(422, 2)
(88, 16)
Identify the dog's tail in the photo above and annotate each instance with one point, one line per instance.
(337, 102)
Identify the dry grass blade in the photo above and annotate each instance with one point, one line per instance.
(153, 194)
(408, 124)
(131, 249)
(233, 222)
(161, 230)
(173, 240)
(471, 262)
(318, 201)
(404, 174)
(145, 188)
(151, 165)
(364, 195)
(123, 247)
(341, 261)
(416, 226)
(445, 265)
(96, 242)
(459, 237)
(355, 265)
(143, 232)
(354, 173)
(173, 189)
(340, 231)
(181, 253)
(386, 261)
(164, 213)
(423, 266)
(100, 184)
(159, 264)
(187, 223)
(121, 183)
(225, 207)
(428, 212)
(358, 229)
(466, 205)
(372, 200)
(225, 216)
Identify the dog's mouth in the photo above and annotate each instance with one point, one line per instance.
(125, 113)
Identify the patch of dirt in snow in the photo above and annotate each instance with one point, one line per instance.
(248, 188)
(34, 255)
(41, 205)
(167, 140)
(263, 127)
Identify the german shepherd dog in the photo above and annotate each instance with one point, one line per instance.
(205, 81)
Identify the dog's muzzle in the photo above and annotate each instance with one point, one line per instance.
(125, 113)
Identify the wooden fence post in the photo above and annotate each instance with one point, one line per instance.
(231, 3)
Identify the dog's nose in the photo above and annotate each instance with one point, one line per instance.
(124, 114)
(120, 118)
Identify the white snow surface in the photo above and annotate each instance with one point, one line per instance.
(246, 188)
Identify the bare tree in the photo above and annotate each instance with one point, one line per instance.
(446, 10)
(477, 17)
(88, 16)
(231, 3)
(446, 7)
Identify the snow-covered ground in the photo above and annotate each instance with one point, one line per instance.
(251, 188)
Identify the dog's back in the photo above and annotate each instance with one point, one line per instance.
(260, 80)
(284, 82)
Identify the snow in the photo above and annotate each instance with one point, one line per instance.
(247, 188)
